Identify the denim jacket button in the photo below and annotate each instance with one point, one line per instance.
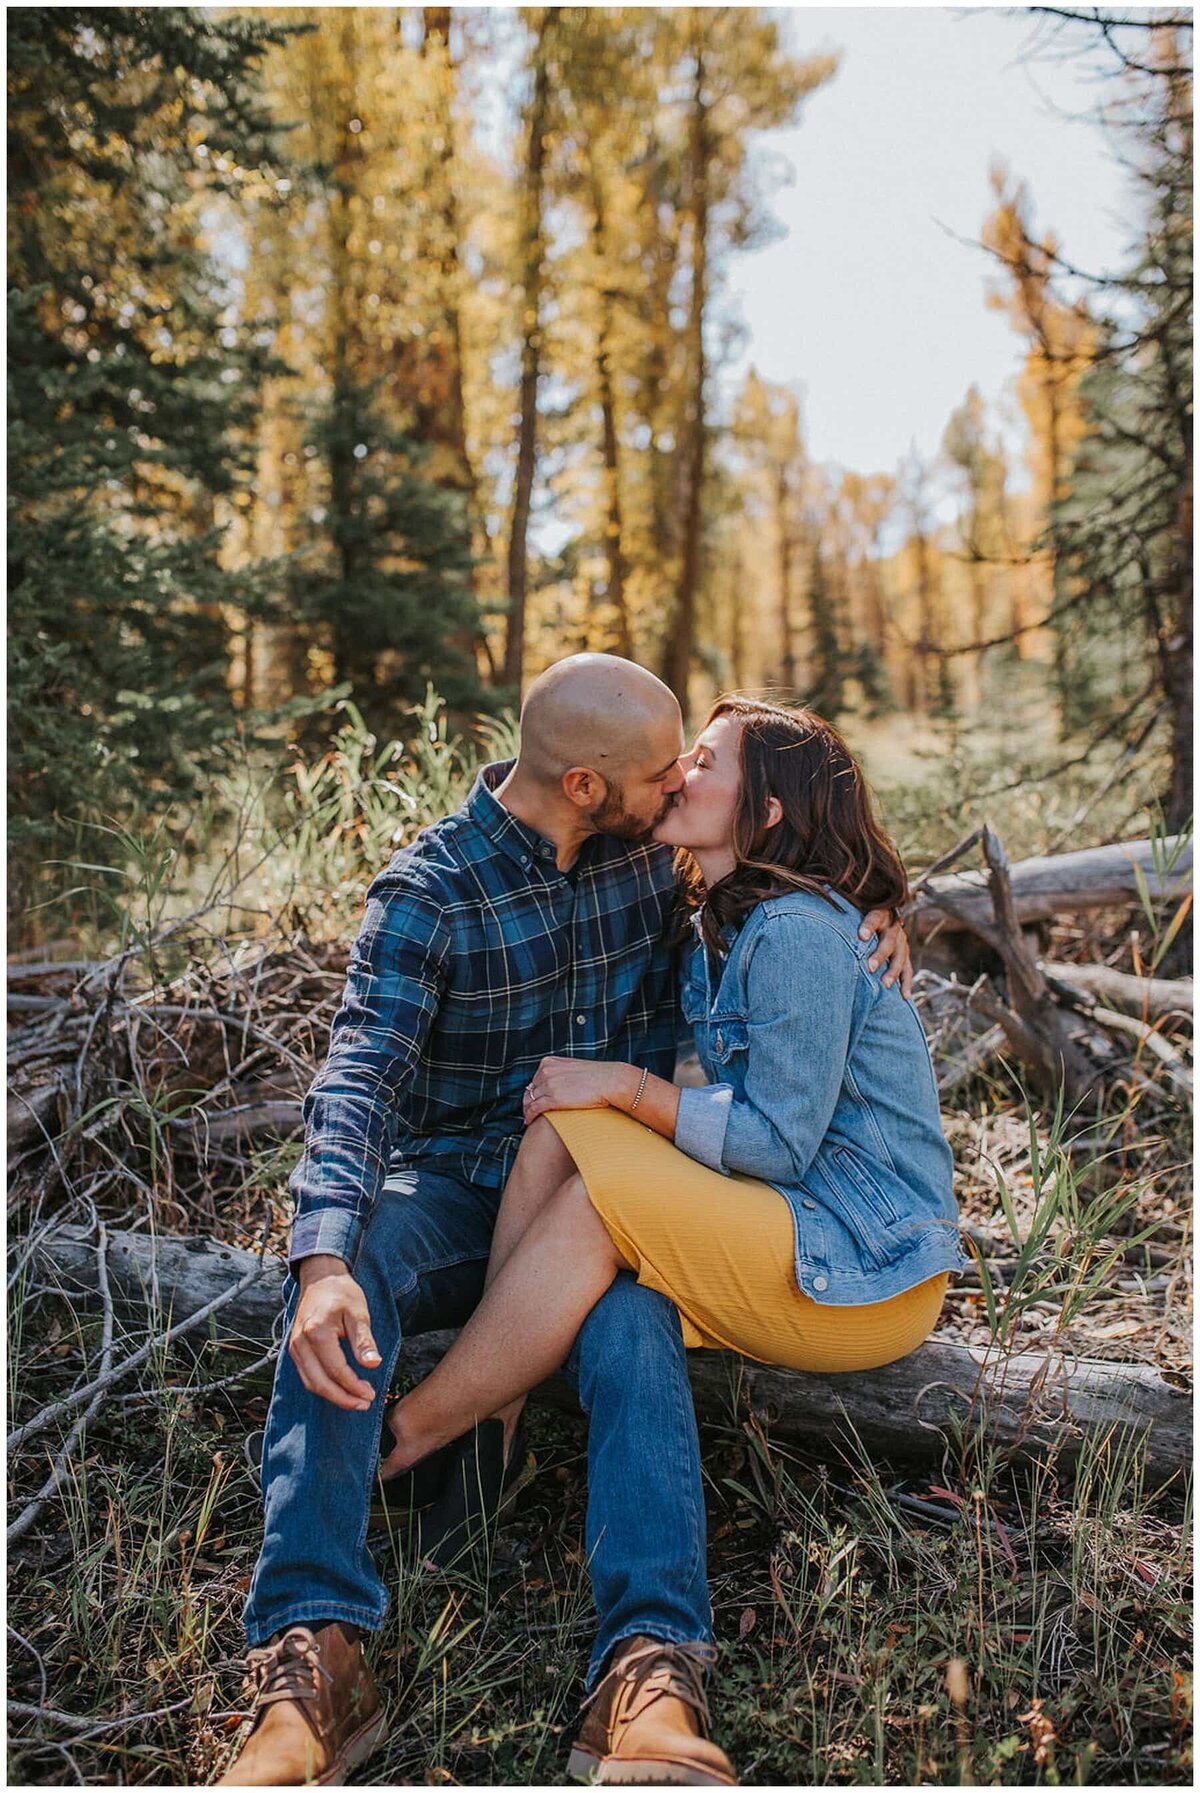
(720, 1042)
(820, 1283)
(807, 1204)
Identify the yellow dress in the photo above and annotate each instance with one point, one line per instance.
(723, 1250)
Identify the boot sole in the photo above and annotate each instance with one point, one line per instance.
(644, 1771)
(363, 1744)
(582, 1763)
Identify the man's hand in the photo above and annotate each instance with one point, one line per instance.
(331, 1308)
(891, 949)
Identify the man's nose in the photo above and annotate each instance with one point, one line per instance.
(674, 780)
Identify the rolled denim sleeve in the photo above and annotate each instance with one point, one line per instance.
(394, 986)
(801, 981)
(702, 1122)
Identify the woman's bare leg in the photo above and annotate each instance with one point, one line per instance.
(542, 1166)
(522, 1329)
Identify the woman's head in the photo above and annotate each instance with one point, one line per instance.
(778, 793)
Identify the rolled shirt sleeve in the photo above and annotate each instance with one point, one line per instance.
(394, 985)
(701, 1123)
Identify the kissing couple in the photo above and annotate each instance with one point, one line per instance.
(495, 1142)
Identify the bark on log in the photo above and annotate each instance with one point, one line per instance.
(1096, 878)
(1030, 1404)
(1149, 998)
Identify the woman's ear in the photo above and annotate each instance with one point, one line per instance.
(774, 812)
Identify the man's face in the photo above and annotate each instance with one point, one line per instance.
(634, 806)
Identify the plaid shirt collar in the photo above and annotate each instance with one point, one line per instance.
(514, 838)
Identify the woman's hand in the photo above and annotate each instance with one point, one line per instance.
(891, 949)
(578, 1083)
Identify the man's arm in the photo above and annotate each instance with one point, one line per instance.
(394, 985)
(393, 990)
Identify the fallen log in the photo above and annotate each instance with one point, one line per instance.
(1148, 998)
(1065, 883)
(1028, 1404)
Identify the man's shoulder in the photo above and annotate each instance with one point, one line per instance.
(435, 863)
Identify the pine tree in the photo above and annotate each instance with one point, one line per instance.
(130, 393)
(826, 687)
(1123, 532)
(385, 581)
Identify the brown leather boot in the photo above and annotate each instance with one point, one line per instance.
(316, 1711)
(649, 1723)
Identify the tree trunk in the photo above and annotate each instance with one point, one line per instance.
(787, 657)
(532, 256)
(1177, 662)
(442, 415)
(926, 630)
(1031, 1405)
(614, 535)
(677, 664)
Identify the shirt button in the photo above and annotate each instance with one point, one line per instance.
(820, 1283)
(808, 1204)
(581, 1020)
(524, 859)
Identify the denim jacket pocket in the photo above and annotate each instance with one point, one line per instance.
(869, 1213)
(727, 1035)
(693, 1000)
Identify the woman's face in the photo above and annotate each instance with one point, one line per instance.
(701, 814)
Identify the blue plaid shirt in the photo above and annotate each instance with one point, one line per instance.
(476, 959)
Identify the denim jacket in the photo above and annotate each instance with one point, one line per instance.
(820, 1084)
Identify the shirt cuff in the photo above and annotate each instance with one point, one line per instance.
(701, 1123)
(328, 1232)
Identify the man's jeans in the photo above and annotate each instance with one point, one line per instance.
(421, 1266)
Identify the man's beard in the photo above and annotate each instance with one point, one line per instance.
(612, 818)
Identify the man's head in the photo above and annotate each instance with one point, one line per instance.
(605, 736)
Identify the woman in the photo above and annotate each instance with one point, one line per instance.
(799, 1208)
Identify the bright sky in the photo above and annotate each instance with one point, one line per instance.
(868, 306)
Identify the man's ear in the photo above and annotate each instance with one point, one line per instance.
(584, 788)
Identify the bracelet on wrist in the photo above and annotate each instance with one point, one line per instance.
(640, 1088)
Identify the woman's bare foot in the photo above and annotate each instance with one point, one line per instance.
(411, 1447)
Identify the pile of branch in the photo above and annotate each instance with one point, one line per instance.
(115, 1066)
(1075, 1029)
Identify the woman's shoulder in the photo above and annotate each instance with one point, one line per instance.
(804, 910)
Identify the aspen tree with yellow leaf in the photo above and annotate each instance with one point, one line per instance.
(1062, 341)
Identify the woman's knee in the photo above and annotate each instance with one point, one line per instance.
(543, 1154)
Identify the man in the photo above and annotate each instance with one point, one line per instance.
(534, 922)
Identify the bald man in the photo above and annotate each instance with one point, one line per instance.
(532, 923)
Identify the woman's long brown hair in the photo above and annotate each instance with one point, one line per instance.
(828, 836)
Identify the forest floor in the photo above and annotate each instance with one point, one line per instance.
(987, 1621)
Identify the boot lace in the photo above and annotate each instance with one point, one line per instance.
(288, 1669)
(681, 1668)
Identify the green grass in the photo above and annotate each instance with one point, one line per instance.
(842, 1596)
